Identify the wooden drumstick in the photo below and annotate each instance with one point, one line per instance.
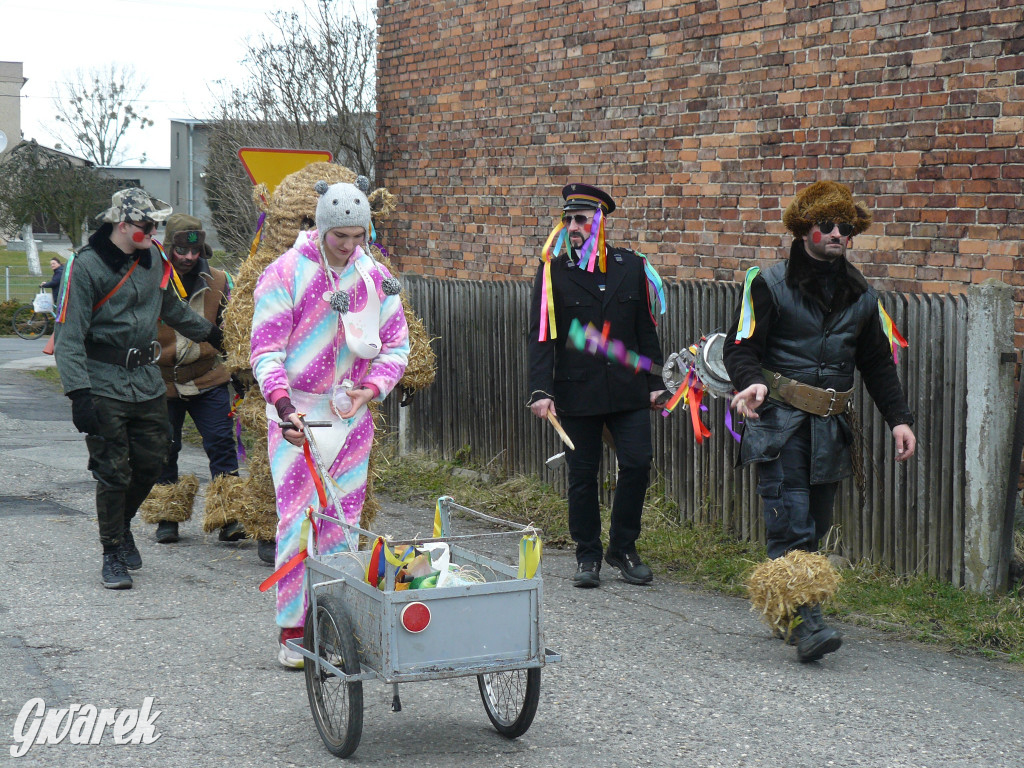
(561, 432)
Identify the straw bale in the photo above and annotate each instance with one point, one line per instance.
(221, 506)
(422, 367)
(170, 502)
(259, 523)
(251, 413)
(778, 587)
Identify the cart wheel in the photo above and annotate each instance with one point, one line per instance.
(337, 706)
(28, 323)
(510, 699)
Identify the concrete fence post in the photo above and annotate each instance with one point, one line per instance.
(989, 434)
(403, 432)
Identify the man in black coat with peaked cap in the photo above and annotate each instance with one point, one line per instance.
(578, 282)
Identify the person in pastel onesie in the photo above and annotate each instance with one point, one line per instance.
(328, 335)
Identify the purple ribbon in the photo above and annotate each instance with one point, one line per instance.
(728, 424)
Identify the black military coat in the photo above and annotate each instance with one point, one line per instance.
(582, 384)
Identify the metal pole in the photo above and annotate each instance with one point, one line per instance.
(7, 283)
(191, 164)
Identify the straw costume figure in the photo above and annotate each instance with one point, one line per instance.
(803, 326)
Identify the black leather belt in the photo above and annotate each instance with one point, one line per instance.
(127, 358)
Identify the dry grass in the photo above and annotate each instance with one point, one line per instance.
(171, 503)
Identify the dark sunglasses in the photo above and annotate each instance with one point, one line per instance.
(579, 218)
(826, 227)
(184, 250)
(146, 226)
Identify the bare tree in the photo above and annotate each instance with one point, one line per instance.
(310, 84)
(96, 108)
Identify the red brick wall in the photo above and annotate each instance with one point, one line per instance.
(703, 119)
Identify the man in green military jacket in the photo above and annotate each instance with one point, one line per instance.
(106, 351)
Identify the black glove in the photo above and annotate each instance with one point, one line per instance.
(83, 412)
(216, 338)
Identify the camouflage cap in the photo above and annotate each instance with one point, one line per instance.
(135, 205)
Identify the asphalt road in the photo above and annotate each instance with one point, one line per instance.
(658, 676)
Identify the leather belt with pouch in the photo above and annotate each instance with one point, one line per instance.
(127, 358)
(820, 402)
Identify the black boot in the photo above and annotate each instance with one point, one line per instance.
(266, 551)
(129, 553)
(232, 532)
(166, 532)
(813, 637)
(588, 575)
(114, 574)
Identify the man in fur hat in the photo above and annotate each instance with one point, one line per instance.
(802, 328)
(197, 381)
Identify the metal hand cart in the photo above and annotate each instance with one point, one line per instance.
(356, 631)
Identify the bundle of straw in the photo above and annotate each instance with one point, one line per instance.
(221, 507)
(778, 587)
(170, 503)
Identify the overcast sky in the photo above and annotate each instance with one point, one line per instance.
(179, 47)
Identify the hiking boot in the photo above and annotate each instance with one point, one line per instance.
(630, 566)
(115, 575)
(286, 656)
(231, 532)
(166, 532)
(814, 638)
(266, 551)
(588, 575)
(129, 553)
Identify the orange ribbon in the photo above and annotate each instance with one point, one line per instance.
(321, 494)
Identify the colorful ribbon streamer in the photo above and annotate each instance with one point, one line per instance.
(62, 294)
(745, 329)
(547, 296)
(529, 556)
(892, 333)
(654, 282)
(169, 273)
(258, 237)
(588, 339)
(308, 525)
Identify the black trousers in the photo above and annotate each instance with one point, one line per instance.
(631, 431)
(125, 458)
(797, 515)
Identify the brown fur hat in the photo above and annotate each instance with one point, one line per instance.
(825, 201)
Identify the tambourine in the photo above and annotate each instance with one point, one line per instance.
(705, 359)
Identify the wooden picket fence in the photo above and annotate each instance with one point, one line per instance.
(908, 517)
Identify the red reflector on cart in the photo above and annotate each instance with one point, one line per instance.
(415, 617)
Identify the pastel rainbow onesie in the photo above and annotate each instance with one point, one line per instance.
(298, 342)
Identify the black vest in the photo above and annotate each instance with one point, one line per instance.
(817, 348)
(809, 345)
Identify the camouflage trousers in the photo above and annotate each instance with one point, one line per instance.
(126, 459)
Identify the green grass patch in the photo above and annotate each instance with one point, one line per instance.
(917, 608)
(20, 260)
(49, 375)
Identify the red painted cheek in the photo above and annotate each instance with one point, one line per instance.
(138, 237)
(816, 237)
